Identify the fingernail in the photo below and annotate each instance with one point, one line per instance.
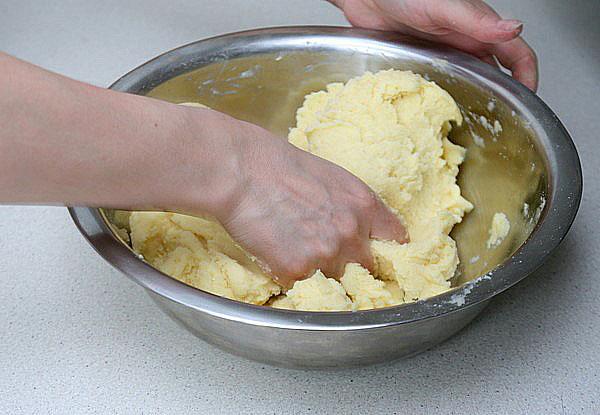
(510, 25)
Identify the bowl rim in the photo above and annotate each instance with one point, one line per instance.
(563, 194)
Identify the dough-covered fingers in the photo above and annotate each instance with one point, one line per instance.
(288, 269)
(312, 216)
(355, 250)
(345, 244)
(328, 252)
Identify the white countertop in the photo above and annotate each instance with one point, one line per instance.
(78, 337)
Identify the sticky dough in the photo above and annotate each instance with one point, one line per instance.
(390, 130)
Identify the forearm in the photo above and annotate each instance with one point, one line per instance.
(68, 143)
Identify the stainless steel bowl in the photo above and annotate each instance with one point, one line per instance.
(262, 76)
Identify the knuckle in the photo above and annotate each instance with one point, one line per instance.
(480, 16)
(296, 268)
(366, 199)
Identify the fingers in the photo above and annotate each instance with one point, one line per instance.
(346, 239)
(328, 256)
(353, 230)
(518, 56)
(515, 55)
(469, 25)
(489, 59)
(357, 251)
(386, 226)
(474, 19)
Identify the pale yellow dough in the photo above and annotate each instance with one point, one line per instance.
(390, 130)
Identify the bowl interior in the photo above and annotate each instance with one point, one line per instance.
(505, 171)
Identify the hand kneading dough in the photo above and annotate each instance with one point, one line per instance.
(390, 130)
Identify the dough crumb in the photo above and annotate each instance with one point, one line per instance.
(498, 231)
(526, 209)
(497, 127)
(478, 140)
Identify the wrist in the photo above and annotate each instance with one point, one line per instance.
(205, 166)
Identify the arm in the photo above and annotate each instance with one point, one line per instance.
(64, 142)
(469, 25)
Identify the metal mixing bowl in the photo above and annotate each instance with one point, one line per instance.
(530, 171)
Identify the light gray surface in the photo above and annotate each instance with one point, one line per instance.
(77, 337)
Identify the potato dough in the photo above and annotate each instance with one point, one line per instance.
(390, 130)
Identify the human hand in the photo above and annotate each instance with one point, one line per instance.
(469, 25)
(294, 211)
(298, 213)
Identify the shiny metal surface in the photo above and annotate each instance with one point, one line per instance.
(530, 171)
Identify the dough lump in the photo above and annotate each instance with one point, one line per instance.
(390, 129)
